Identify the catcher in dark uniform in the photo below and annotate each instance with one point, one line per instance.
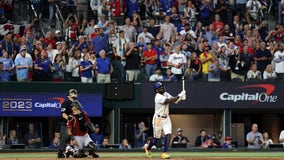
(72, 95)
(78, 125)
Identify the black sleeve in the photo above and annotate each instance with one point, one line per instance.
(65, 107)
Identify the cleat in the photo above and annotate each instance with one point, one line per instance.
(60, 155)
(147, 152)
(165, 156)
(95, 155)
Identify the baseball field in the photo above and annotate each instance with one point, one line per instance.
(219, 155)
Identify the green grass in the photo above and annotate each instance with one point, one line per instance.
(155, 154)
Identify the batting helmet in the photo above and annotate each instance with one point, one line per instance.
(76, 104)
(73, 93)
(157, 85)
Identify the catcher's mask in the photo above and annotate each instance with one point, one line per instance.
(76, 104)
(73, 93)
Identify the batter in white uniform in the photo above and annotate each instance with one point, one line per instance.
(161, 118)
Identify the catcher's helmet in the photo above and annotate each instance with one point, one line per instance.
(73, 93)
(157, 85)
(76, 104)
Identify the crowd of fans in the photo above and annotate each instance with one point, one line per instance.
(149, 40)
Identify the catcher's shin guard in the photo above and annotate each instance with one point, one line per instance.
(92, 146)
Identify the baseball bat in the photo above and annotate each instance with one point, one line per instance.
(183, 87)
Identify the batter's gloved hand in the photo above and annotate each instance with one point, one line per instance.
(182, 93)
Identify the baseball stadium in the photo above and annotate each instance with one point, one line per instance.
(142, 79)
(124, 108)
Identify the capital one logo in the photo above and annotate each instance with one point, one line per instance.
(257, 97)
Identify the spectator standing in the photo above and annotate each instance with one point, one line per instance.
(162, 58)
(90, 29)
(152, 28)
(141, 135)
(32, 138)
(204, 11)
(71, 28)
(8, 66)
(237, 64)
(253, 10)
(58, 36)
(58, 69)
(4, 75)
(249, 60)
(86, 68)
(206, 59)
(42, 67)
(23, 66)
(75, 66)
(82, 7)
(8, 45)
(167, 31)
(214, 71)
(150, 57)
(254, 138)
(129, 30)
(222, 8)
(94, 4)
(241, 8)
(148, 37)
(132, 65)
(104, 68)
(166, 6)
(218, 25)
(193, 70)
(83, 26)
(177, 62)
(262, 57)
(49, 39)
(189, 12)
(279, 62)
(100, 42)
(118, 8)
(119, 55)
(132, 6)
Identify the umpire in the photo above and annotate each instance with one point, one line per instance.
(66, 110)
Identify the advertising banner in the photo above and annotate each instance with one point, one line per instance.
(33, 104)
(225, 95)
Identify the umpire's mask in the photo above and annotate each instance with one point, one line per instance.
(73, 93)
